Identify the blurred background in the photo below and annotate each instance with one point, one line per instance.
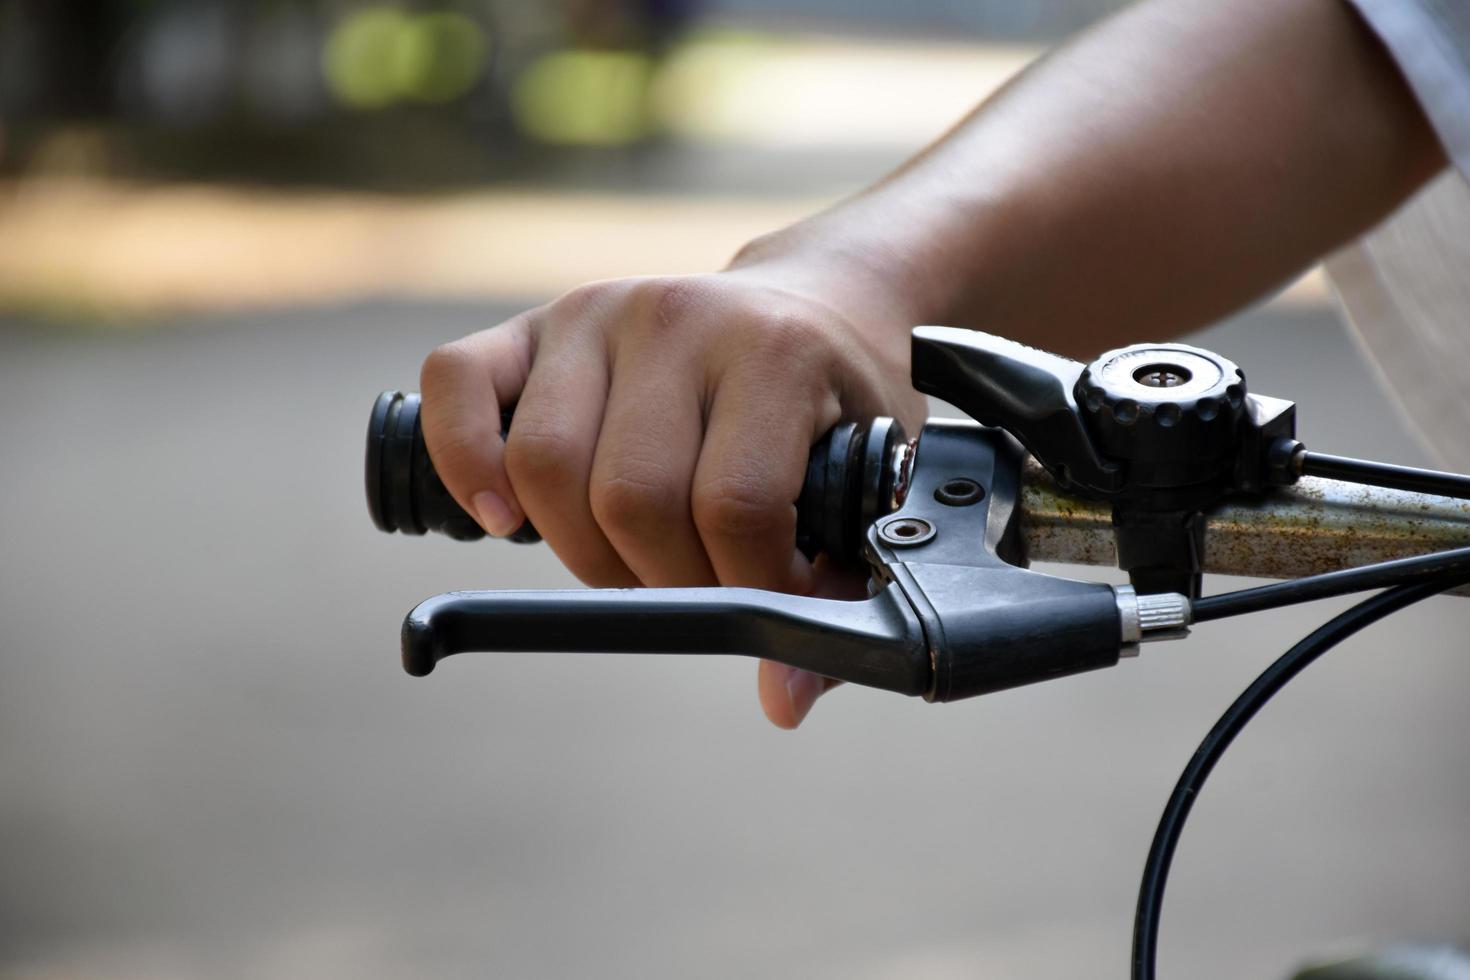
(225, 226)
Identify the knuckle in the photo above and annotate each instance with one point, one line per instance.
(591, 301)
(787, 342)
(634, 503)
(675, 299)
(787, 333)
(580, 298)
(733, 508)
(791, 338)
(539, 456)
(445, 366)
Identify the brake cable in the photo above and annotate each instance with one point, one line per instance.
(1235, 718)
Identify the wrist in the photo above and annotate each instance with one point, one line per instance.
(839, 258)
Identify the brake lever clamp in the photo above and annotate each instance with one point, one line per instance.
(955, 552)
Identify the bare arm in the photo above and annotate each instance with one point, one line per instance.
(1161, 170)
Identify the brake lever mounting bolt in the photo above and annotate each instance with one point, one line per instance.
(959, 491)
(906, 532)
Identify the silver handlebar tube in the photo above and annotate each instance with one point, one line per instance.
(1314, 526)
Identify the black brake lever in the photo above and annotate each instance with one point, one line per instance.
(876, 642)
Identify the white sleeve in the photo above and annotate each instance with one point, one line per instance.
(1430, 42)
(1404, 286)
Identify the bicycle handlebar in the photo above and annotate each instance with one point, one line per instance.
(853, 478)
(856, 475)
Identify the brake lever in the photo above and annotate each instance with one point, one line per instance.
(877, 642)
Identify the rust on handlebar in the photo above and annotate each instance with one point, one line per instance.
(1315, 526)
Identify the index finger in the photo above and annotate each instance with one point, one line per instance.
(748, 479)
(465, 384)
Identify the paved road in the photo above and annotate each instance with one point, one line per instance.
(211, 765)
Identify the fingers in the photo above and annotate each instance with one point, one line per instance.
(465, 384)
(645, 463)
(786, 693)
(550, 451)
(748, 478)
(661, 435)
(751, 469)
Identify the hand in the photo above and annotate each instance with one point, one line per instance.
(662, 428)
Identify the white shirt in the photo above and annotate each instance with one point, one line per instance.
(1405, 286)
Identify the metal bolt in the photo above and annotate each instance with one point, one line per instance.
(959, 491)
(905, 532)
(1162, 376)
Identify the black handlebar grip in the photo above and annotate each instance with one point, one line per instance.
(852, 479)
(404, 493)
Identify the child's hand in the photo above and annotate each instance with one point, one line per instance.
(662, 428)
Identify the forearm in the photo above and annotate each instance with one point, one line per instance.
(1163, 169)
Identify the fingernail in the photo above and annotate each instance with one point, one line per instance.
(803, 689)
(493, 514)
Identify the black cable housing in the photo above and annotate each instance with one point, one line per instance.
(1400, 571)
(1235, 718)
(1388, 475)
